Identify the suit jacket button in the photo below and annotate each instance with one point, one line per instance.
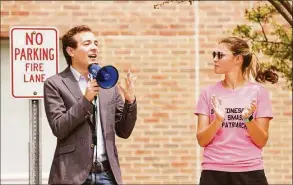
(92, 145)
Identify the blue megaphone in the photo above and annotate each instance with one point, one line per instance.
(106, 76)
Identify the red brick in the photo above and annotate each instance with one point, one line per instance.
(4, 13)
(142, 152)
(79, 13)
(167, 33)
(40, 13)
(159, 77)
(186, 32)
(4, 33)
(21, 13)
(288, 113)
(160, 115)
(159, 26)
(151, 120)
(71, 7)
(179, 164)
(109, 33)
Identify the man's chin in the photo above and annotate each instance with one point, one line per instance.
(92, 62)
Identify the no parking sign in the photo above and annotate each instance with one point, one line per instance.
(34, 57)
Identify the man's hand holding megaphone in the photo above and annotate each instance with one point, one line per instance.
(127, 92)
(92, 90)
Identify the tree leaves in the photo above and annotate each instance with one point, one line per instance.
(275, 43)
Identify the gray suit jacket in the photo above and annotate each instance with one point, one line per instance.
(69, 114)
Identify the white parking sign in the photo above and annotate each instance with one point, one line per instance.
(34, 57)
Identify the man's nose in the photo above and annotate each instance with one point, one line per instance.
(94, 47)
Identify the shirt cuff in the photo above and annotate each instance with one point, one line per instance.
(132, 102)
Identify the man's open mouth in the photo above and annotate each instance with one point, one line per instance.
(92, 56)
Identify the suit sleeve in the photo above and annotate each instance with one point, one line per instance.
(62, 121)
(125, 117)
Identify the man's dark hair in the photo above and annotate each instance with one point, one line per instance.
(69, 41)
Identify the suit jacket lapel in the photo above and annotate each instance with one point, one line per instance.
(71, 83)
(73, 86)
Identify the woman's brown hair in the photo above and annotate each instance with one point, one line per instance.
(250, 65)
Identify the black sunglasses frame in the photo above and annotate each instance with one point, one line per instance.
(219, 54)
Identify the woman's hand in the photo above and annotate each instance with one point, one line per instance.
(219, 110)
(247, 112)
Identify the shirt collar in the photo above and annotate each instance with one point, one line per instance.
(76, 74)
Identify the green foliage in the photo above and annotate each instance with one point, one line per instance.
(276, 44)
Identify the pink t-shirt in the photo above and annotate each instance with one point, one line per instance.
(232, 149)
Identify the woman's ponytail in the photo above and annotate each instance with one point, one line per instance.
(252, 67)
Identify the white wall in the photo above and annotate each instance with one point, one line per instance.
(15, 129)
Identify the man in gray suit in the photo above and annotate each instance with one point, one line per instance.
(86, 152)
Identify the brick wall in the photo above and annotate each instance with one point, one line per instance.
(160, 47)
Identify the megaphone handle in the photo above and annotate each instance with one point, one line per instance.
(94, 120)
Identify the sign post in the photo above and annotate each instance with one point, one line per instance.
(35, 169)
(34, 57)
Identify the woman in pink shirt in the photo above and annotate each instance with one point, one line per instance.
(233, 118)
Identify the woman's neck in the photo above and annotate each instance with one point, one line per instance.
(233, 80)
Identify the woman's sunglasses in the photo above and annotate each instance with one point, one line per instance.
(219, 55)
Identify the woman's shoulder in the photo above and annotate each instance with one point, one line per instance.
(258, 87)
(211, 87)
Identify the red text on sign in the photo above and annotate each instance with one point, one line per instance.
(34, 54)
(34, 78)
(34, 67)
(30, 38)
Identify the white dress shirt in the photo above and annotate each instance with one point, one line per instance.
(100, 148)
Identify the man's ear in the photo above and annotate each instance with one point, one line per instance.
(70, 51)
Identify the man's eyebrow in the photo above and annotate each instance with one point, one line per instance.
(95, 41)
(91, 41)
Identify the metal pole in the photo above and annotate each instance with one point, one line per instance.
(34, 143)
(197, 86)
